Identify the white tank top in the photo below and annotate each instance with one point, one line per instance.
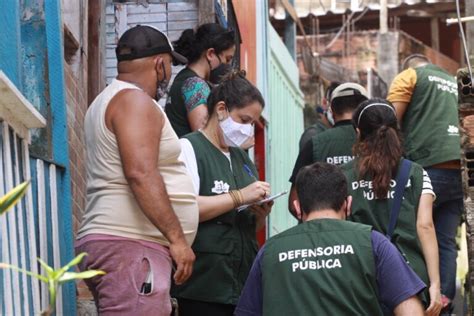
(111, 207)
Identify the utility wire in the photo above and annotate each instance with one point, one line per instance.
(366, 9)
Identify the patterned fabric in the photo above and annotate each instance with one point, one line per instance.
(195, 91)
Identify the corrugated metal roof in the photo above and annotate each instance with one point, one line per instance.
(322, 7)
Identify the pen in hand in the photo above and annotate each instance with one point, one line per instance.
(249, 172)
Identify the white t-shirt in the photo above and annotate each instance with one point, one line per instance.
(188, 156)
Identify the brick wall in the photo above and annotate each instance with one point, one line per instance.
(76, 75)
(76, 108)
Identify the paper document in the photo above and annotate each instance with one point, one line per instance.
(265, 200)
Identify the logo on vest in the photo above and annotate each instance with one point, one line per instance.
(444, 85)
(367, 187)
(220, 187)
(339, 160)
(325, 257)
(453, 130)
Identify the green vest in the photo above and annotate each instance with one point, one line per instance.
(376, 212)
(430, 123)
(315, 129)
(334, 145)
(225, 246)
(319, 126)
(320, 267)
(175, 108)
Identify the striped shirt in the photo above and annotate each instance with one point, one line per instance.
(427, 187)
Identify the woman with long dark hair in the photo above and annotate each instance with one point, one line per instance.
(207, 49)
(372, 179)
(225, 179)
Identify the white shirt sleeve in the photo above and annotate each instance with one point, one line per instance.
(189, 158)
(427, 187)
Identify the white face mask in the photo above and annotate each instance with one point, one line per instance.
(235, 134)
(329, 116)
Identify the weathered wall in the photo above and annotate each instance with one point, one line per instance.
(245, 13)
(76, 99)
(75, 27)
(171, 17)
(409, 45)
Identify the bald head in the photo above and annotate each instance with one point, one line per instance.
(137, 65)
(415, 60)
(146, 72)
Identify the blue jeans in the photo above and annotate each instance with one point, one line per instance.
(447, 210)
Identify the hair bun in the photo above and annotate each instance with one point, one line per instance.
(235, 74)
(186, 43)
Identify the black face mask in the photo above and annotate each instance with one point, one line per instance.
(216, 74)
(219, 73)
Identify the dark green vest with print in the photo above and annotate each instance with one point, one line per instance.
(225, 246)
(430, 123)
(334, 145)
(175, 108)
(321, 267)
(366, 209)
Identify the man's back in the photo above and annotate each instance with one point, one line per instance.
(334, 145)
(430, 123)
(328, 267)
(315, 261)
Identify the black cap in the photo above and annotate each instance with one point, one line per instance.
(143, 41)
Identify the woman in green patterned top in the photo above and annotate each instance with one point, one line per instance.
(225, 179)
(207, 49)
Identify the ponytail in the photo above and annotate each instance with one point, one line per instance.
(186, 45)
(379, 147)
(191, 44)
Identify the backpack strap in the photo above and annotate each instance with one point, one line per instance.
(402, 179)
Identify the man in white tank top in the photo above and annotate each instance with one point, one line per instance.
(141, 211)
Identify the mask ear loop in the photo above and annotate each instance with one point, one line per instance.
(220, 119)
(164, 70)
(209, 62)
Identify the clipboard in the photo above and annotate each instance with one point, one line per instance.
(265, 200)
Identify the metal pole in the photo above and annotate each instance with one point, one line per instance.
(383, 17)
(464, 19)
(290, 33)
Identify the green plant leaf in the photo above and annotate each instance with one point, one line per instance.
(52, 288)
(13, 196)
(47, 268)
(72, 263)
(68, 276)
(15, 268)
